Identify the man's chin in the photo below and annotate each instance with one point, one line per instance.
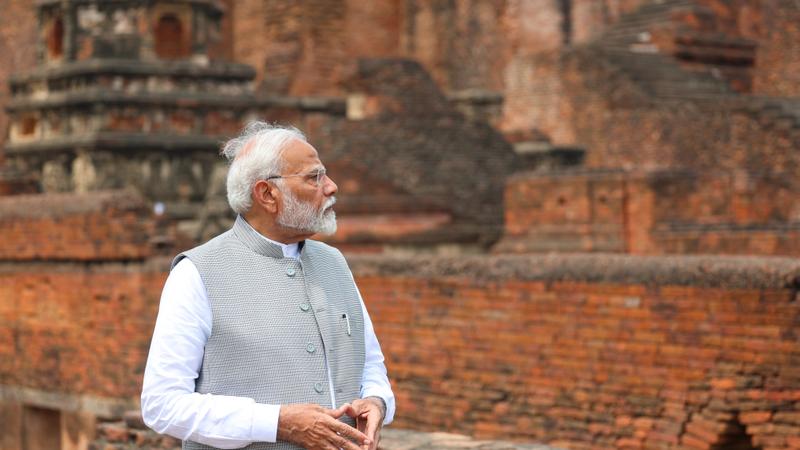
(328, 225)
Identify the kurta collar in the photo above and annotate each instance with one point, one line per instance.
(255, 241)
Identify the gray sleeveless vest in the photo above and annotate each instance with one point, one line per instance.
(275, 320)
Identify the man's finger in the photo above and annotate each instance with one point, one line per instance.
(372, 419)
(344, 443)
(374, 444)
(361, 424)
(349, 432)
(338, 412)
(347, 408)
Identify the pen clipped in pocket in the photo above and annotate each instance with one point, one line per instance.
(345, 319)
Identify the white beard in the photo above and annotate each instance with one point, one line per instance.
(304, 217)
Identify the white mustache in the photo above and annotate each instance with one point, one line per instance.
(329, 203)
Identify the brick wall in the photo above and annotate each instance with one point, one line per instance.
(658, 212)
(777, 67)
(622, 126)
(592, 352)
(73, 342)
(74, 227)
(590, 18)
(567, 212)
(77, 329)
(306, 48)
(535, 97)
(582, 351)
(381, 37)
(248, 34)
(76, 295)
(465, 44)
(773, 24)
(222, 49)
(18, 46)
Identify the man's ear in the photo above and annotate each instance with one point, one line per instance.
(265, 194)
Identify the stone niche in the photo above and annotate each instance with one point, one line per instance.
(79, 30)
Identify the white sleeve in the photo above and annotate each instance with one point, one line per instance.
(374, 382)
(170, 404)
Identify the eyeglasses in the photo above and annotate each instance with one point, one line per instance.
(314, 177)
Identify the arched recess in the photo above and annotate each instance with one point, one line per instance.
(28, 124)
(170, 38)
(730, 434)
(735, 437)
(55, 39)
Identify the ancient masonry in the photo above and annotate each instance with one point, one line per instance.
(127, 95)
(115, 103)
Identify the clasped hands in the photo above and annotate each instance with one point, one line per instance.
(315, 427)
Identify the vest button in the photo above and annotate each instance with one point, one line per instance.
(318, 388)
(290, 271)
(305, 306)
(310, 348)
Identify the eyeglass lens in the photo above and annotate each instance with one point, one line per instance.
(320, 176)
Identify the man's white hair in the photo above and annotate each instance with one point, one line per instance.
(255, 155)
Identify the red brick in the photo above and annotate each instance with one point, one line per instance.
(793, 441)
(755, 417)
(691, 441)
(723, 383)
(629, 443)
(790, 417)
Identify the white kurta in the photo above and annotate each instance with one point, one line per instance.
(170, 404)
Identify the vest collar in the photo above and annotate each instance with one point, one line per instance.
(254, 241)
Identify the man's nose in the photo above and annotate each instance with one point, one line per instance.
(329, 188)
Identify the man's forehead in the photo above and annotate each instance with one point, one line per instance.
(301, 154)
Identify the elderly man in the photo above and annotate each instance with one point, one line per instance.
(262, 338)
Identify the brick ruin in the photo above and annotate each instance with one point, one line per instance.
(574, 222)
(131, 95)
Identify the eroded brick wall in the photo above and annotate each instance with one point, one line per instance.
(79, 287)
(567, 212)
(18, 46)
(773, 25)
(105, 226)
(222, 49)
(590, 18)
(78, 292)
(778, 57)
(581, 351)
(77, 329)
(588, 352)
(659, 212)
(536, 98)
(467, 45)
(305, 48)
(593, 352)
(622, 127)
